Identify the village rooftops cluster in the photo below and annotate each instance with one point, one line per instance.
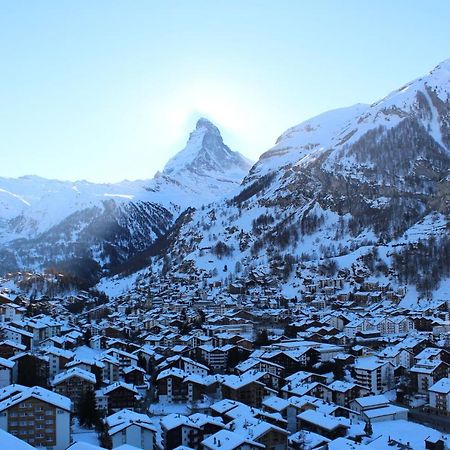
(176, 369)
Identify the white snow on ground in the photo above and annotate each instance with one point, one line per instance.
(410, 300)
(402, 431)
(116, 286)
(158, 410)
(80, 434)
(163, 409)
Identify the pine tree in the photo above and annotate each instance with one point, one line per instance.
(87, 412)
(262, 338)
(368, 429)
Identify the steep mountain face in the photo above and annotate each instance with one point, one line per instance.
(204, 171)
(334, 188)
(51, 223)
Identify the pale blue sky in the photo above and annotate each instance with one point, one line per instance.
(107, 90)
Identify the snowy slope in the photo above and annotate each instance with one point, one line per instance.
(335, 188)
(46, 221)
(425, 99)
(36, 204)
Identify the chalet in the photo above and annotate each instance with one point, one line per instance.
(189, 431)
(18, 335)
(439, 397)
(186, 364)
(121, 395)
(10, 348)
(343, 392)
(74, 383)
(260, 365)
(50, 427)
(374, 375)
(127, 427)
(125, 359)
(134, 375)
(176, 386)
(425, 373)
(30, 368)
(246, 388)
(58, 358)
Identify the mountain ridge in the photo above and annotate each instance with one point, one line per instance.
(43, 222)
(335, 188)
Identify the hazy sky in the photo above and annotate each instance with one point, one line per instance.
(108, 90)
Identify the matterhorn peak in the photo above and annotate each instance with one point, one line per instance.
(205, 153)
(206, 124)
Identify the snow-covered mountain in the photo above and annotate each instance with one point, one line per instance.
(43, 222)
(359, 180)
(204, 171)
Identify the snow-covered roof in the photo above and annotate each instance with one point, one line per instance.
(228, 440)
(239, 381)
(384, 411)
(372, 401)
(84, 446)
(124, 418)
(59, 352)
(39, 393)
(74, 372)
(441, 387)
(369, 363)
(6, 363)
(276, 403)
(119, 384)
(322, 420)
(8, 441)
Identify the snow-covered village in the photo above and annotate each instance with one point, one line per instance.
(281, 282)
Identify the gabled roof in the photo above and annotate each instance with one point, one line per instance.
(117, 385)
(8, 441)
(6, 363)
(322, 420)
(125, 418)
(59, 401)
(441, 387)
(74, 372)
(228, 440)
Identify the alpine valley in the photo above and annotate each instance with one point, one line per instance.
(362, 191)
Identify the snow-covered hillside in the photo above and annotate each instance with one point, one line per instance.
(343, 188)
(47, 221)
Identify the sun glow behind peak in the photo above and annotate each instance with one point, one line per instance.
(218, 102)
